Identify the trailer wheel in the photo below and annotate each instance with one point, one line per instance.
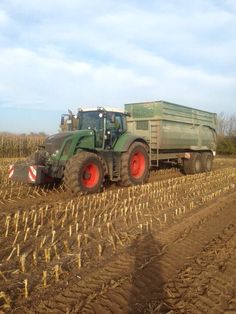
(207, 161)
(192, 165)
(84, 173)
(134, 165)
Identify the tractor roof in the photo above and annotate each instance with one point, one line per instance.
(102, 109)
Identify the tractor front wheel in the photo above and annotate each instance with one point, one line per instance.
(84, 173)
(134, 165)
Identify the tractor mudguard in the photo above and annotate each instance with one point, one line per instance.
(125, 140)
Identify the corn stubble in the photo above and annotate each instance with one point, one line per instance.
(41, 244)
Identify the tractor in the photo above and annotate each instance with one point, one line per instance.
(94, 147)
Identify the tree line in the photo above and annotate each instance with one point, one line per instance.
(226, 138)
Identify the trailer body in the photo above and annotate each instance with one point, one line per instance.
(171, 129)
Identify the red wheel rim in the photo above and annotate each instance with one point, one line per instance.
(90, 175)
(137, 165)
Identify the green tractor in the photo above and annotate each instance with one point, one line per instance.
(92, 148)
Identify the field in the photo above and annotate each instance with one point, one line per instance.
(19, 145)
(165, 247)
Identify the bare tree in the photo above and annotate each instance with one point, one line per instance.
(226, 124)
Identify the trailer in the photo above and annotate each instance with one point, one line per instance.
(175, 132)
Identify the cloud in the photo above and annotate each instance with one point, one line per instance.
(38, 81)
(203, 38)
(4, 19)
(57, 82)
(55, 53)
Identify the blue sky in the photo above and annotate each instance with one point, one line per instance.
(60, 54)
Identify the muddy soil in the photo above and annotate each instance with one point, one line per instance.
(166, 247)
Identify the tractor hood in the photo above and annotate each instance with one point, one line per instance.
(54, 142)
(79, 139)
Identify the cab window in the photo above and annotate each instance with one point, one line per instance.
(116, 121)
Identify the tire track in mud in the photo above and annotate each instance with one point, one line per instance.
(208, 282)
(185, 268)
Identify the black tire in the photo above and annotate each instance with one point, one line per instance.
(192, 165)
(207, 161)
(134, 165)
(84, 173)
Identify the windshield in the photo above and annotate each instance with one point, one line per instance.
(90, 120)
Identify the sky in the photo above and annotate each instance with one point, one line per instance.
(57, 55)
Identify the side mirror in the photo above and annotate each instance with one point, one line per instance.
(127, 114)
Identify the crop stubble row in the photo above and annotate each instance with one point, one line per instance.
(49, 244)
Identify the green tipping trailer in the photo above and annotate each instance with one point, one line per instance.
(171, 130)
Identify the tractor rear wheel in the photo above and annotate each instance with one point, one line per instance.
(84, 173)
(134, 165)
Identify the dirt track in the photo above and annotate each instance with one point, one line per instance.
(174, 254)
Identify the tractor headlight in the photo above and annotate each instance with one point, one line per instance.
(55, 153)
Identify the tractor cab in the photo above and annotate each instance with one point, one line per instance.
(107, 125)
